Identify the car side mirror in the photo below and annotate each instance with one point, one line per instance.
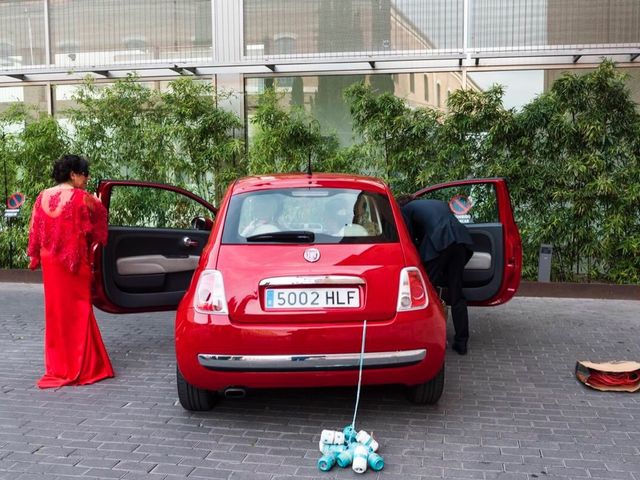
(202, 223)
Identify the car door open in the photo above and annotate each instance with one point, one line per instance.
(492, 275)
(156, 235)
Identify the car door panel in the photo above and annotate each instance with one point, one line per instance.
(149, 262)
(145, 268)
(479, 261)
(483, 282)
(492, 276)
(155, 264)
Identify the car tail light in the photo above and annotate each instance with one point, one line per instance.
(210, 297)
(412, 294)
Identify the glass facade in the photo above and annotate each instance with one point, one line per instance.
(439, 22)
(598, 24)
(410, 27)
(321, 96)
(22, 34)
(99, 32)
(34, 96)
(511, 25)
(121, 31)
(521, 25)
(301, 28)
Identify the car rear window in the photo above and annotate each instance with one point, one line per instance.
(309, 215)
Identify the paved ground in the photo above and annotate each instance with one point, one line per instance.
(512, 408)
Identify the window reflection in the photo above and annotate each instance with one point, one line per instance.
(95, 32)
(351, 26)
(22, 36)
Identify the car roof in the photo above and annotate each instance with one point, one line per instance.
(296, 180)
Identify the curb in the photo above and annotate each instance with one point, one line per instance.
(20, 276)
(526, 289)
(579, 290)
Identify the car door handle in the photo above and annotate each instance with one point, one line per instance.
(187, 242)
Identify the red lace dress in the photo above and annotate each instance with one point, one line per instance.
(64, 224)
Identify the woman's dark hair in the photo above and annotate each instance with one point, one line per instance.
(69, 163)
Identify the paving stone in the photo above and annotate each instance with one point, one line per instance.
(201, 472)
(608, 474)
(104, 473)
(173, 469)
(97, 463)
(144, 476)
(134, 466)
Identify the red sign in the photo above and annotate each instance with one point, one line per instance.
(460, 204)
(16, 200)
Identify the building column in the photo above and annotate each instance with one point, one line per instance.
(466, 17)
(228, 48)
(233, 84)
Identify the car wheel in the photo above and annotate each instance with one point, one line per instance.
(194, 398)
(428, 393)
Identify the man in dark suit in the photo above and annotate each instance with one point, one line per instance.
(444, 245)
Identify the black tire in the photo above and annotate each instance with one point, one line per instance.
(194, 398)
(428, 393)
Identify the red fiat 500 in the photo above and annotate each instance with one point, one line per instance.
(275, 292)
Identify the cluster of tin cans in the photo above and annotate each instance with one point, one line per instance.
(348, 447)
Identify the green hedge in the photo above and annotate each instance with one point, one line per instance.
(571, 156)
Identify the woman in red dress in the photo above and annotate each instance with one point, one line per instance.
(65, 221)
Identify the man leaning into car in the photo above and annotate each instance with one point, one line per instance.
(444, 245)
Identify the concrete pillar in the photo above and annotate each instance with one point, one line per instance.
(228, 48)
(228, 37)
(232, 83)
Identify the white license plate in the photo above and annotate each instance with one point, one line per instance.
(312, 298)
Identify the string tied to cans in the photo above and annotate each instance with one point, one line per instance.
(349, 446)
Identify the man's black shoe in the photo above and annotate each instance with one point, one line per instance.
(461, 348)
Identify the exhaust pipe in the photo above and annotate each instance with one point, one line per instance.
(235, 392)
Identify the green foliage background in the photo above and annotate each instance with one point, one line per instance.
(571, 156)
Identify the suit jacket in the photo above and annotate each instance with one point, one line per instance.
(433, 228)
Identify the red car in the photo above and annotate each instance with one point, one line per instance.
(274, 292)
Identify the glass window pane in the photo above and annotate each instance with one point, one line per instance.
(34, 96)
(345, 26)
(330, 215)
(22, 36)
(94, 32)
(547, 25)
(133, 206)
(322, 95)
(476, 203)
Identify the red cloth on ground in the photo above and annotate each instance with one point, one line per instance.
(64, 224)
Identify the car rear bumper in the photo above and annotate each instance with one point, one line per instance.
(214, 354)
(313, 362)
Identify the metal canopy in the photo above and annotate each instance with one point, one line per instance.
(504, 60)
